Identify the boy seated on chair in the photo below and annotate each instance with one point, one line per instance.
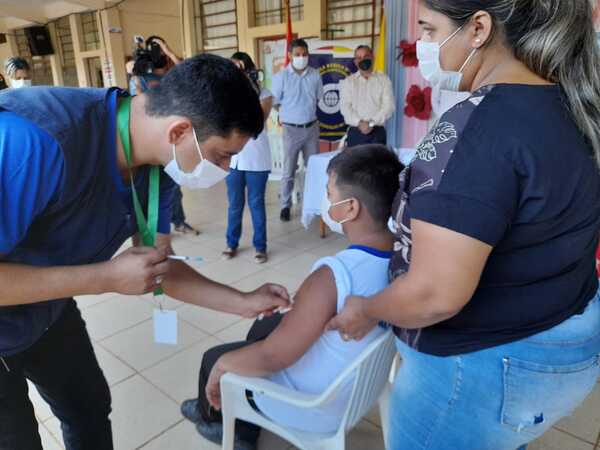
(293, 350)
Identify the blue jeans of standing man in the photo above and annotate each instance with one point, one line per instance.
(500, 398)
(256, 182)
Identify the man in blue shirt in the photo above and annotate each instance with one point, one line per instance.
(296, 91)
(70, 161)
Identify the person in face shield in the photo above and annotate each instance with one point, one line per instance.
(18, 71)
(366, 101)
(494, 294)
(297, 90)
(82, 171)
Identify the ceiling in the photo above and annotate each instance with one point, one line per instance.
(22, 13)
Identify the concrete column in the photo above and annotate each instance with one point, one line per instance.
(315, 17)
(109, 27)
(245, 20)
(189, 41)
(8, 50)
(56, 59)
(11, 41)
(77, 36)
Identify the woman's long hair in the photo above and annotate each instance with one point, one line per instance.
(556, 39)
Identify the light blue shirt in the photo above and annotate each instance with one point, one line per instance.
(297, 95)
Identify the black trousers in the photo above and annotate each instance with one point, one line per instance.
(259, 331)
(64, 369)
(376, 136)
(178, 215)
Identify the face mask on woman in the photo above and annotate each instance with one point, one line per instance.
(17, 84)
(430, 65)
(445, 84)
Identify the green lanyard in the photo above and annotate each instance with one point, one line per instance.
(147, 228)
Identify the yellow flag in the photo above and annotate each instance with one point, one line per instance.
(380, 55)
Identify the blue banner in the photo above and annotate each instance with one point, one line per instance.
(333, 69)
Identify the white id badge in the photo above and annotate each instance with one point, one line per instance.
(165, 327)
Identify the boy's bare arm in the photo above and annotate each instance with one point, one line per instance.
(314, 305)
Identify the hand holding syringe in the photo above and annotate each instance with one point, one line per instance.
(185, 258)
(261, 316)
(279, 310)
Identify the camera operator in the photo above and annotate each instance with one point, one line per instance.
(152, 59)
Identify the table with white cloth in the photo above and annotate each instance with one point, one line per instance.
(315, 183)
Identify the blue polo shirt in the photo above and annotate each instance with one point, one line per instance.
(62, 200)
(32, 171)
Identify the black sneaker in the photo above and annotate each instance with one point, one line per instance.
(285, 215)
(189, 410)
(213, 432)
(186, 228)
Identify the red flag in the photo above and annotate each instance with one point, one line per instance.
(288, 35)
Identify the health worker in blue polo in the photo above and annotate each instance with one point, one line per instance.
(81, 171)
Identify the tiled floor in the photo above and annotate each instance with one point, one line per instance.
(148, 381)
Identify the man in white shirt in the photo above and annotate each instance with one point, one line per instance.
(296, 91)
(366, 100)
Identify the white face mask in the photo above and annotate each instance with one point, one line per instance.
(205, 174)
(334, 226)
(300, 62)
(17, 84)
(430, 66)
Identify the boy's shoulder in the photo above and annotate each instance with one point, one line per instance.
(355, 258)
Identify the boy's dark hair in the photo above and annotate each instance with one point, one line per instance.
(213, 93)
(369, 173)
(298, 43)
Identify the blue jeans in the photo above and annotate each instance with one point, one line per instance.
(256, 182)
(496, 399)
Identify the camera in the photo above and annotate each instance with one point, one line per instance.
(255, 75)
(147, 56)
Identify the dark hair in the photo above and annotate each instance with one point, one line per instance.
(370, 173)
(11, 65)
(249, 68)
(363, 47)
(556, 39)
(298, 43)
(151, 38)
(246, 59)
(213, 93)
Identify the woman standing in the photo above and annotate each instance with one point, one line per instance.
(250, 170)
(494, 297)
(18, 71)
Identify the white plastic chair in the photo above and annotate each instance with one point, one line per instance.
(372, 372)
